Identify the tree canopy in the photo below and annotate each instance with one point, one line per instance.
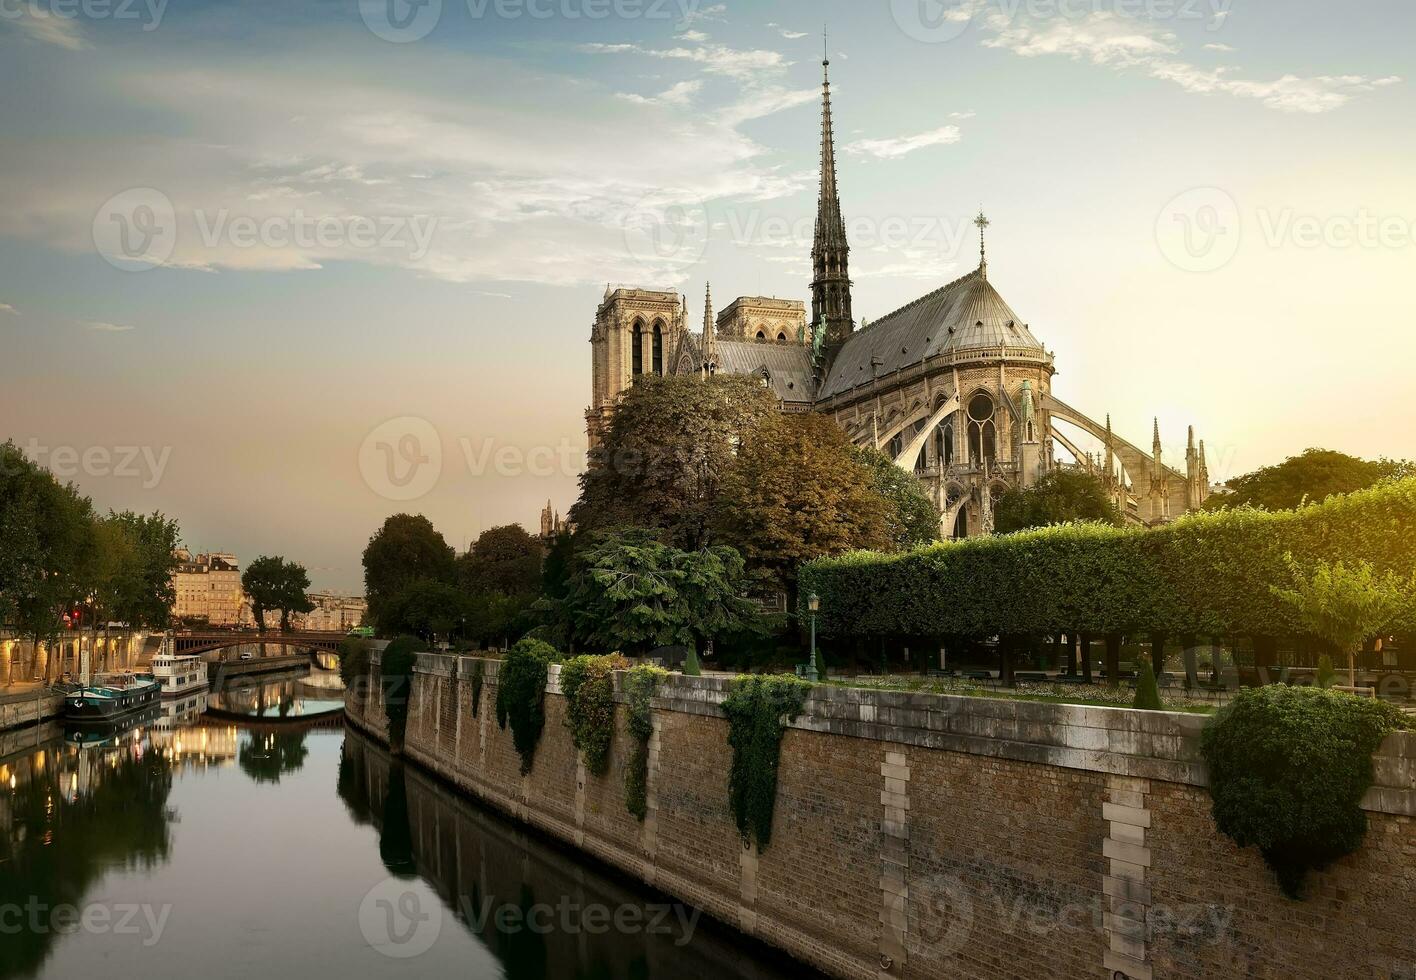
(505, 559)
(913, 519)
(662, 461)
(1311, 477)
(406, 549)
(795, 492)
(271, 583)
(1058, 497)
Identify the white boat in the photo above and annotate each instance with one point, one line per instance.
(178, 675)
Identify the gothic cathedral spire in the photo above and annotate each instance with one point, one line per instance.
(831, 283)
(710, 333)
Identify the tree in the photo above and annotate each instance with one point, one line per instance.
(1311, 477)
(150, 594)
(1058, 497)
(913, 519)
(1346, 605)
(662, 461)
(404, 550)
(273, 583)
(504, 559)
(633, 593)
(795, 493)
(427, 609)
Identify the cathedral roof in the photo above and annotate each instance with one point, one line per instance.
(788, 366)
(965, 315)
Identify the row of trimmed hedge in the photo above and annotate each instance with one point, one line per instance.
(1206, 574)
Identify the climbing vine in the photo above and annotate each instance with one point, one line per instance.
(758, 708)
(479, 671)
(396, 685)
(1288, 767)
(588, 684)
(639, 687)
(521, 695)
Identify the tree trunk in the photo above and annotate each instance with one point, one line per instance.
(1113, 659)
(1006, 646)
(1158, 638)
(1071, 654)
(1086, 657)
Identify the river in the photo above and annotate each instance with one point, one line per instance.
(198, 846)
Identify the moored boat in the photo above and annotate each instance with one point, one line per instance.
(111, 697)
(179, 675)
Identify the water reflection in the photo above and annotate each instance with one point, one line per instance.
(302, 693)
(539, 912)
(264, 756)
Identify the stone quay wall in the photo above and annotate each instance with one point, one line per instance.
(922, 835)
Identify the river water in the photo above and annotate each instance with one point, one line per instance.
(280, 844)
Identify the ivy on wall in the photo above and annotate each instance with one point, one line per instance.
(640, 684)
(521, 695)
(588, 684)
(396, 685)
(1288, 767)
(479, 672)
(1206, 573)
(758, 708)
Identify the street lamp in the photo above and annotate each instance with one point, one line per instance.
(813, 604)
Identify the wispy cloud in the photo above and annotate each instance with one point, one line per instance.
(719, 59)
(790, 35)
(1221, 47)
(893, 147)
(47, 28)
(1123, 43)
(105, 327)
(714, 11)
(7, 308)
(677, 96)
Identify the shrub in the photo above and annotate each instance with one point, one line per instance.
(1147, 693)
(479, 674)
(353, 661)
(1326, 674)
(639, 687)
(691, 666)
(1206, 574)
(758, 707)
(396, 676)
(521, 695)
(589, 687)
(1288, 767)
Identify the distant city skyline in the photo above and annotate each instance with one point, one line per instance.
(1205, 210)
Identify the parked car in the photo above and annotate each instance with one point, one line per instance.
(247, 656)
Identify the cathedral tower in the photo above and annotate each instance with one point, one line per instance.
(831, 282)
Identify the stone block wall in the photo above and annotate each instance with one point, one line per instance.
(933, 836)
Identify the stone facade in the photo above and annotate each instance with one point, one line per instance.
(931, 836)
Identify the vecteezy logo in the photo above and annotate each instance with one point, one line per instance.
(934, 21)
(399, 921)
(664, 234)
(401, 459)
(400, 21)
(136, 229)
(945, 913)
(1199, 229)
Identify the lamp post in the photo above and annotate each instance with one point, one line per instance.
(813, 604)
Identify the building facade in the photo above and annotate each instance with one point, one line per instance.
(954, 386)
(208, 588)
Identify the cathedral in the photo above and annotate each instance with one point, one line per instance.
(955, 387)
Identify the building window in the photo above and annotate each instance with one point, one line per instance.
(944, 443)
(658, 349)
(781, 338)
(983, 435)
(761, 335)
(638, 348)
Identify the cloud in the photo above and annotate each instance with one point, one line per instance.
(525, 188)
(107, 327)
(694, 14)
(1121, 43)
(717, 59)
(47, 28)
(1224, 48)
(693, 36)
(678, 96)
(790, 35)
(7, 308)
(892, 148)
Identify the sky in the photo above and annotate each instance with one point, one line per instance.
(258, 259)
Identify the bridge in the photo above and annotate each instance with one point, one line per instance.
(197, 643)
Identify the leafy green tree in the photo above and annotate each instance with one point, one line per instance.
(1058, 497)
(796, 493)
(662, 461)
(633, 593)
(150, 593)
(504, 559)
(913, 519)
(426, 609)
(1311, 477)
(406, 549)
(271, 583)
(1346, 605)
(1147, 692)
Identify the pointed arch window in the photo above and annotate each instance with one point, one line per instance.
(982, 433)
(638, 341)
(658, 349)
(944, 444)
